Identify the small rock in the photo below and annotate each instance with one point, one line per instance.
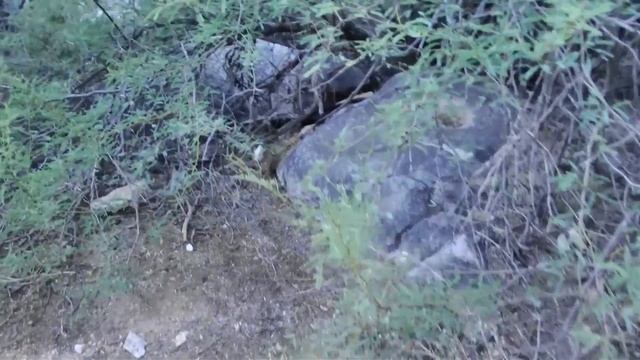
(258, 153)
(78, 348)
(189, 247)
(119, 198)
(135, 345)
(181, 338)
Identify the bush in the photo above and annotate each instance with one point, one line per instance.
(556, 208)
(77, 101)
(557, 214)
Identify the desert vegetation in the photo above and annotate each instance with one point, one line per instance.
(373, 127)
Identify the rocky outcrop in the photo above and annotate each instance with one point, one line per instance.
(407, 150)
(411, 160)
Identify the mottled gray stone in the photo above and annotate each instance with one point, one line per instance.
(280, 88)
(266, 62)
(363, 146)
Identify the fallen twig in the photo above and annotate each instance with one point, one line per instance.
(83, 95)
(6, 280)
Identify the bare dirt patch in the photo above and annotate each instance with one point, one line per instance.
(240, 294)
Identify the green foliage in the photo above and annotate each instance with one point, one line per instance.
(380, 314)
(54, 37)
(42, 154)
(43, 159)
(53, 143)
(542, 58)
(568, 40)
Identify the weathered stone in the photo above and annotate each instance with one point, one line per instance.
(291, 98)
(181, 338)
(276, 85)
(135, 345)
(426, 241)
(246, 84)
(214, 74)
(228, 73)
(120, 198)
(390, 149)
(297, 96)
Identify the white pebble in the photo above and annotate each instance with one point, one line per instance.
(181, 338)
(189, 248)
(258, 153)
(135, 345)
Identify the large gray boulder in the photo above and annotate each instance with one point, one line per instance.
(410, 153)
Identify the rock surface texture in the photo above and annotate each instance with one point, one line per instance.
(412, 162)
(243, 81)
(268, 82)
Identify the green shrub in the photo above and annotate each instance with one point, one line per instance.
(79, 96)
(562, 195)
(559, 229)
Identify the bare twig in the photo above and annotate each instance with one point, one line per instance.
(87, 94)
(106, 13)
(137, 239)
(620, 172)
(5, 280)
(614, 241)
(356, 91)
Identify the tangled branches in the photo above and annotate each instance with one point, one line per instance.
(564, 195)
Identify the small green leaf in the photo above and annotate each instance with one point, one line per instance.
(566, 181)
(587, 338)
(562, 244)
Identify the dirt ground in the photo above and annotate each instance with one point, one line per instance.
(242, 292)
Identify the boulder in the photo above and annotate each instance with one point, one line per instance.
(409, 152)
(10, 7)
(244, 82)
(436, 243)
(273, 82)
(227, 72)
(297, 95)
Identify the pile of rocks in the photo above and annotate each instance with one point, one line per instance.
(411, 162)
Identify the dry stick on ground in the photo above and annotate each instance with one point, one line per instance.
(87, 94)
(5, 280)
(135, 242)
(290, 125)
